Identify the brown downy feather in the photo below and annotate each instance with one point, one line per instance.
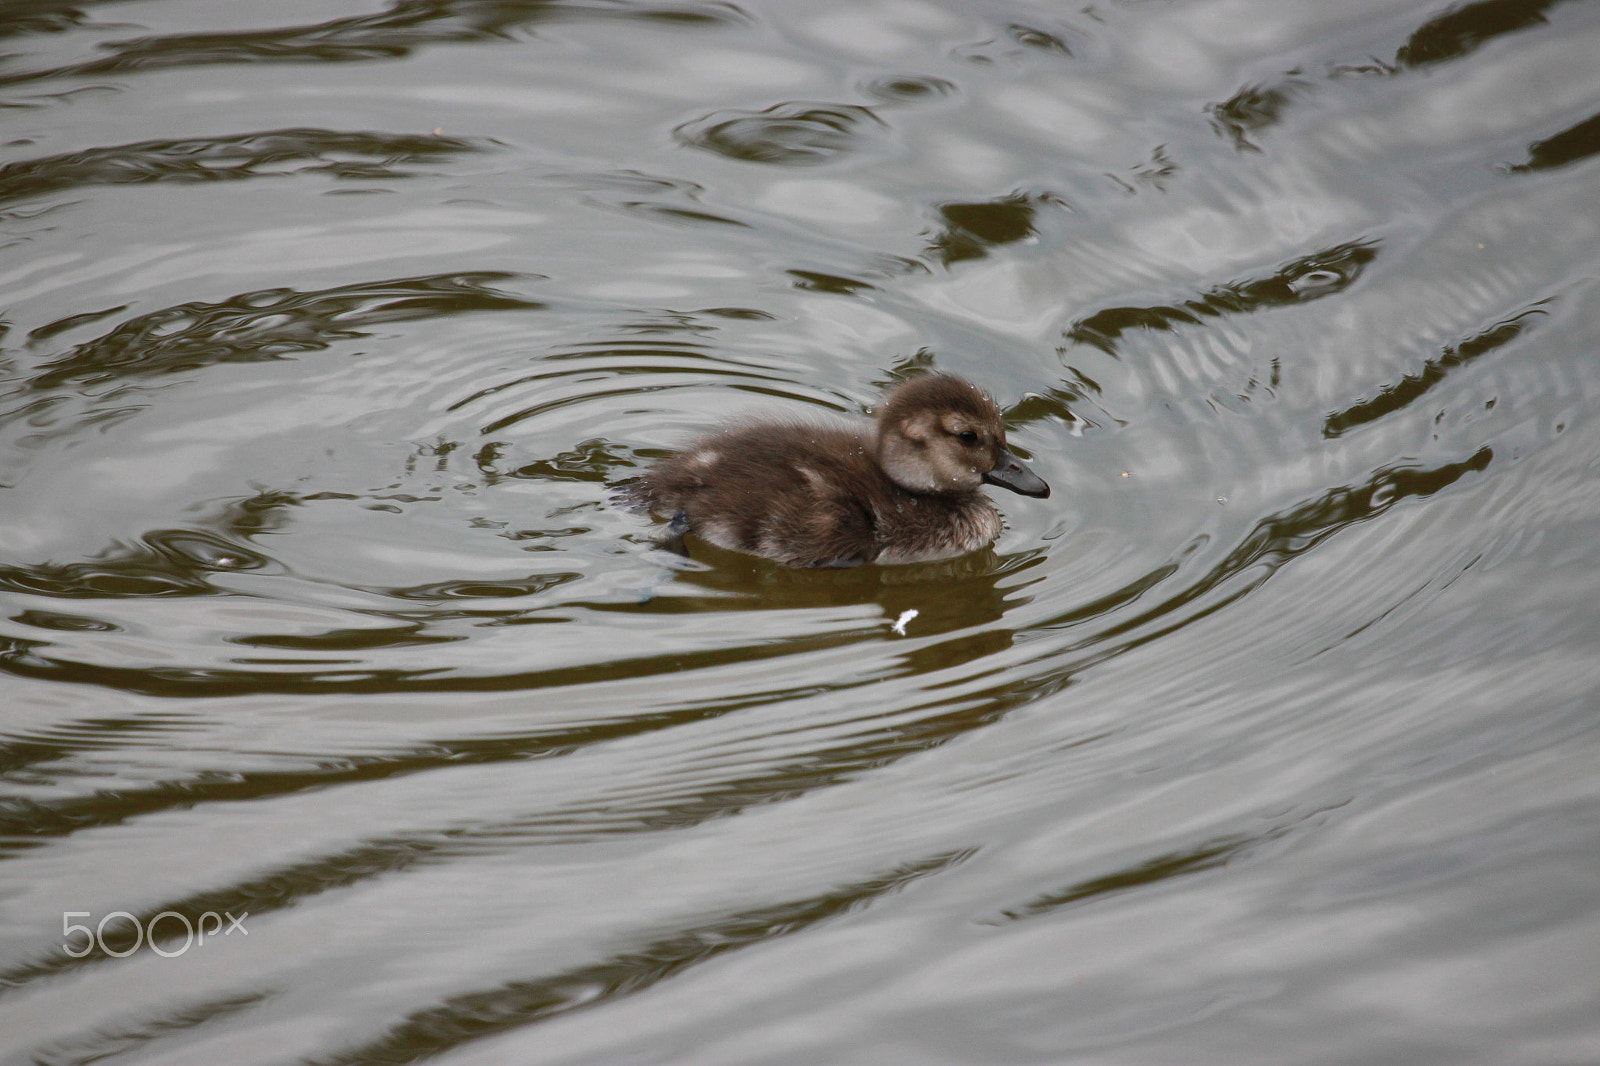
(815, 495)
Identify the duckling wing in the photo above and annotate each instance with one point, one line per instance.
(796, 494)
(824, 530)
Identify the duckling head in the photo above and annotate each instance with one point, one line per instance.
(940, 434)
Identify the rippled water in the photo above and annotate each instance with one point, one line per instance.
(1271, 737)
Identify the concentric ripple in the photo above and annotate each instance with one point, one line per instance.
(791, 135)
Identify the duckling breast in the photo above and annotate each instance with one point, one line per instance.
(929, 528)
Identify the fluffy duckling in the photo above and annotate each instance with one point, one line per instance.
(906, 491)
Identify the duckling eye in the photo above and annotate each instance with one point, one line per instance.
(966, 436)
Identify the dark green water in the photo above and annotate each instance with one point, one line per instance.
(1272, 737)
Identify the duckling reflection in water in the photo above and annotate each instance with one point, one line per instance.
(908, 490)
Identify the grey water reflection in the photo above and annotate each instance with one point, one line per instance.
(483, 1013)
(1310, 277)
(224, 159)
(327, 337)
(267, 324)
(394, 33)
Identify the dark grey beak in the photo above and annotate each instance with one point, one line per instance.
(1009, 473)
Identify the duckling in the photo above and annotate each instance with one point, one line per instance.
(816, 495)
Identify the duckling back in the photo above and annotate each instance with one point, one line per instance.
(797, 494)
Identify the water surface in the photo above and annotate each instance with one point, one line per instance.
(1269, 738)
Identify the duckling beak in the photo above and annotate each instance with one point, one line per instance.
(1009, 473)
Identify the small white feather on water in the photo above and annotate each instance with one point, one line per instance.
(900, 623)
